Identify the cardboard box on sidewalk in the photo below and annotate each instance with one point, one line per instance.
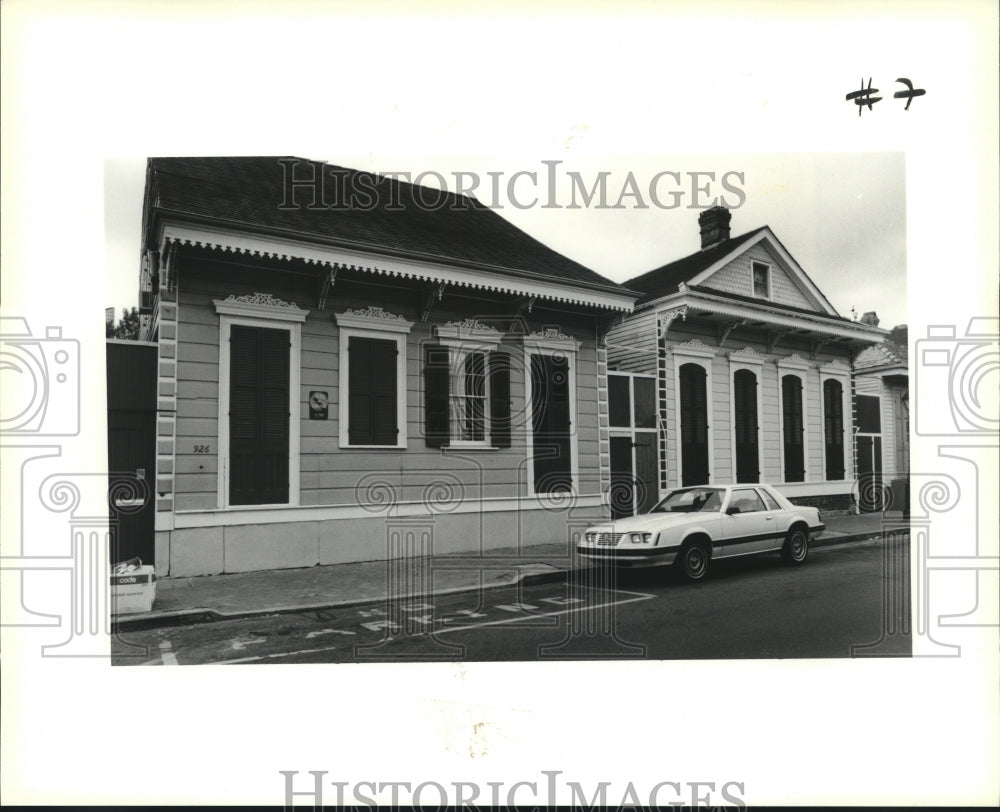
(133, 591)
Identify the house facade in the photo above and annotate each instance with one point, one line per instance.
(735, 368)
(352, 368)
(882, 417)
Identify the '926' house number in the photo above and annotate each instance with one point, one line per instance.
(202, 449)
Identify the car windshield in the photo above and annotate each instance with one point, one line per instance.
(691, 500)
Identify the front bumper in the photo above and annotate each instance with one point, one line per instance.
(629, 556)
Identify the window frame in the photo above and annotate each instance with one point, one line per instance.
(830, 373)
(631, 430)
(794, 365)
(462, 340)
(750, 489)
(552, 343)
(268, 313)
(753, 363)
(372, 323)
(704, 356)
(754, 264)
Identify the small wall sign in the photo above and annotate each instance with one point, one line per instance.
(319, 403)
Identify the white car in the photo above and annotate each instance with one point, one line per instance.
(693, 526)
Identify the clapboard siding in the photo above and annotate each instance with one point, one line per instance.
(770, 424)
(813, 396)
(632, 344)
(330, 475)
(888, 433)
(721, 415)
(735, 277)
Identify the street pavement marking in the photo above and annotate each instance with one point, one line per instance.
(639, 596)
(170, 659)
(167, 654)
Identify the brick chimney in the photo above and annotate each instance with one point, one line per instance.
(870, 318)
(714, 225)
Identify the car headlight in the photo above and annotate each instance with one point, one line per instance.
(640, 538)
(591, 538)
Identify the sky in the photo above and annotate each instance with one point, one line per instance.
(842, 217)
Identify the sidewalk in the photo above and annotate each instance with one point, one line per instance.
(225, 597)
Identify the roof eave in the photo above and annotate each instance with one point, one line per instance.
(819, 322)
(159, 214)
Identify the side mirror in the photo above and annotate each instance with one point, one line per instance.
(732, 510)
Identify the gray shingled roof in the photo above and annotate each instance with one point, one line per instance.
(360, 211)
(665, 279)
(888, 353)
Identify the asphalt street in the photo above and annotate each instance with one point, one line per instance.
(844, 601)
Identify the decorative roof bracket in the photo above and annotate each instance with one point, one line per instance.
(667, 317)
(167, 268)
(434, 295)
(818, 345)
(605, 324)
(524, 307)
(776, 339)
(328, 279)
(726, 329)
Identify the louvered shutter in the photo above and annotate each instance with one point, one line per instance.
(437, 368)
(833, 416)
(550, 423)
(791, 406)
(372, 393)
(258, 415)
(745, 413)
(385, 428)
(694, 425)
(499, 390)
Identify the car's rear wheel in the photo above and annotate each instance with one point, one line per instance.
(694, 560)
(796, 547)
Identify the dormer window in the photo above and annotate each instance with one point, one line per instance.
(761, 280)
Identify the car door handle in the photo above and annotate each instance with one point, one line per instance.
(769, 518)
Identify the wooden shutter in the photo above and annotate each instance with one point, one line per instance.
(258, 415)
(499, 390)
(437, 368)
(371, 381)
(833, 419)
(550, 423)
(792, 429)
(745, 414)
(694, 425)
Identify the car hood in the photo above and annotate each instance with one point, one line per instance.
(650, 522)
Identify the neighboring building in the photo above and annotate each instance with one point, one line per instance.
(882, 416)
(353, 368)
(737, 369)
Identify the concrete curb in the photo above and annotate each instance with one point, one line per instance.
(186, 617)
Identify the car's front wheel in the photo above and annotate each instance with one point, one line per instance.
(796, 547)
(694, 560)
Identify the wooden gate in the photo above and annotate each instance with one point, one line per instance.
(131, 388)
